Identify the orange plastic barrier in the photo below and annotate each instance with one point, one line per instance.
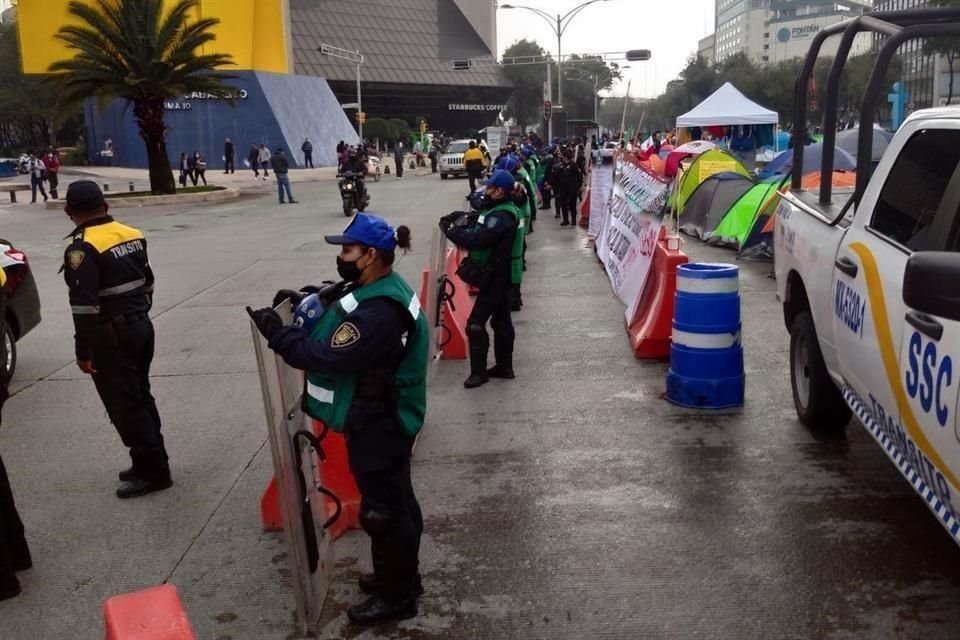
(652, 324)
(585, 210)
(335, 471)
(455, 312)
(151, 614)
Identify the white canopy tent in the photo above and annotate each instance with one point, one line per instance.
(725, 107)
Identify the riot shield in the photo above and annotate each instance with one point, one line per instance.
(295, 450)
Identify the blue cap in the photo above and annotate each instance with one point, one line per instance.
(369, 230)
(508, 163)
(527, 150)
(501, 179)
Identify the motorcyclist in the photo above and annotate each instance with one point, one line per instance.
(356, 166)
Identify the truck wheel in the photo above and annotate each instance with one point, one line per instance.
(443, 176)
(11, 344)
(819, 403)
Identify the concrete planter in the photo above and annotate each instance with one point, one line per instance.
(228, 193)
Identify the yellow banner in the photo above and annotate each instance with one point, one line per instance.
(254, 32)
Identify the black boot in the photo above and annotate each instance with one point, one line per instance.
(378, 609)
(503, 350)
(478, 364)
(140, 487)
(127, 475)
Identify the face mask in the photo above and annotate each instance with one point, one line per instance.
(349, 270)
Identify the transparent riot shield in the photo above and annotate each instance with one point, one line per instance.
(436, 290)
(295, 450)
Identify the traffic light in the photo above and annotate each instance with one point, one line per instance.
(638, 55)
(547, 108)
(361, 117)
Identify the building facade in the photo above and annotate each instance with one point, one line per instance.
(706, 48)
(920, 71)
(287, 90)
(777, 30)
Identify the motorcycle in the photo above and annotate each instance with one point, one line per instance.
(353, 192)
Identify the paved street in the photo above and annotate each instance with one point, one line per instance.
(573, 502)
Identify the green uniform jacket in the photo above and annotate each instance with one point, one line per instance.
(329, 396)
(482, 256)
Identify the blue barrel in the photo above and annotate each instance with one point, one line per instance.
(706, 357)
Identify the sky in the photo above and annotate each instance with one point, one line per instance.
(670, 29)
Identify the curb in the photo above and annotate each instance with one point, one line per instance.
(227, 193)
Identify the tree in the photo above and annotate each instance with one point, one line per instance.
(133, 50)
(401, 129)
(949, 48)
(380, 129)
(580, 76)
(526, 103)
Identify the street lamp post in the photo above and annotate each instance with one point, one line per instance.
(357, 58)
(559, 26)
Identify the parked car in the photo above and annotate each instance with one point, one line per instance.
(23, 301)
(451, 160)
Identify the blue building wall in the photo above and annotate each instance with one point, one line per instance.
(278, 110)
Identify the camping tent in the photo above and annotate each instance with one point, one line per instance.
(812, 161)
(707, 164)
(758, 244)
(726, 106)
(710, 201)
(848, 139)
(737, 222)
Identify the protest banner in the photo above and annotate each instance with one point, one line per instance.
(628, 235)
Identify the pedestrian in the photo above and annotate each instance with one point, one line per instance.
(434, 156)
(366, 364)
(228, 154)
(546, 174)
(264, 157)
(398, 159)
(341, 147)
(192, 168)
(185, 170)
(307, 148)
(51, 162)
(253, 160)
(14, 551)
(494, 241)
(199, 168)
(569, 182)
(108, 274)
(38, 173)
(474, 163)
(281, 168)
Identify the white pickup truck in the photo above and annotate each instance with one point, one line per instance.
(872, 304)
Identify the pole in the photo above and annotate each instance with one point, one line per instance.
(559, 64)
(359, 104)
(626, 101)
(550, 119)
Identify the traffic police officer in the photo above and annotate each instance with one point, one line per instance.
(111, 291)
(495, 242)
(14, 552)
(366, 360)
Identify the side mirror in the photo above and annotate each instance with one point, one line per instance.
(931, 283)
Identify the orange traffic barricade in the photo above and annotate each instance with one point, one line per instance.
(151, 614)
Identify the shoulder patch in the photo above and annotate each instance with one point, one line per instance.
(345, 335)
(75, 259)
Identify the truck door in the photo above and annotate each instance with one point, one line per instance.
(927, 432)
(868, 304)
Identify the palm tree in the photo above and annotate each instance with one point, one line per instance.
(134, 50)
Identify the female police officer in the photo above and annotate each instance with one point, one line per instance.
(366, 361)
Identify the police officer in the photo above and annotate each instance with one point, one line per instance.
(111, 291)
(14, 552)
(569, 182)
(495, 242)
(366, 364)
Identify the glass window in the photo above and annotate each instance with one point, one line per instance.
(915, 186)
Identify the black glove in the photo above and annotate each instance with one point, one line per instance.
(295, 297)
(267, 320)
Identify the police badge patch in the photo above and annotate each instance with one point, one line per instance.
(345, 335)
(74, 259)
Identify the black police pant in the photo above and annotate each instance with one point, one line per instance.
(491, 305)
(568, 206)
(122, 360)
(13, 545)
(390, 514)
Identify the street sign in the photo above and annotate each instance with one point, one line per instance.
(638, 55)
(349, 105)
(547, 107)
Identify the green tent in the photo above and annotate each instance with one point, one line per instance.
(737, 222)
(707, 164)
